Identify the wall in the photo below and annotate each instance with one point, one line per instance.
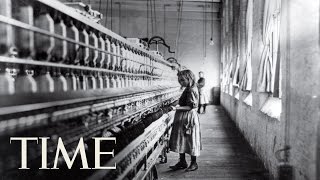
(261, 131)
(300, 68)
(303, 84)
(191, 51)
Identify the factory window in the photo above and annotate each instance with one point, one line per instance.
(246, 81)
(227, 15)
(228, 72)
(269, 79)
(229, 77)
(277, 76)
(236, 78)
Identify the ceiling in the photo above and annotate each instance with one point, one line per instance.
(160, 6)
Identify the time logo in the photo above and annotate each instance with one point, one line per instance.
(62, 150)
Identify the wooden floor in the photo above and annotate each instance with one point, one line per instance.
(225, 154)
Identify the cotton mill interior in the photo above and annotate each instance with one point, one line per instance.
(160, 89)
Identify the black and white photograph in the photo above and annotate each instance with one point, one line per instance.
(159, 90)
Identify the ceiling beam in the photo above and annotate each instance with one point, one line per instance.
(171, 9)
(171, 1)
(160, 3)
(209, 1)
(194, 7)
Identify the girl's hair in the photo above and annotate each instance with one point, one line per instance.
(189, 76)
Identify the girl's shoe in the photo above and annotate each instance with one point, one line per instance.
(193, 166)
(179, 165)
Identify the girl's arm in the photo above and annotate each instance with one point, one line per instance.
(191, 101)
(181, 108)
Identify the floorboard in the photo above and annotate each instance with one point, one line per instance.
(225, 154)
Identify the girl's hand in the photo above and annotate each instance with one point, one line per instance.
(173, 108)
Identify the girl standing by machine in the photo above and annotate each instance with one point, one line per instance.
(185, 134)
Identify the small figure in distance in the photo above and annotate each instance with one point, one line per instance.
(203, 96)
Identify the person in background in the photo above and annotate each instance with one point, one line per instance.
(185, 135)
(203, 96)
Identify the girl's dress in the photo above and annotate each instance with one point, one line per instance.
(203, 96)
(185, 134)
